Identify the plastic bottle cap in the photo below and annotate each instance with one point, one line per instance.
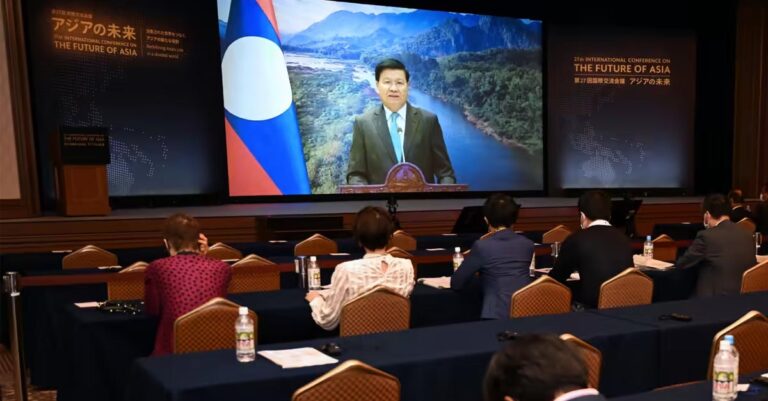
(648, 238)
(728, 338)
(313, 258)
(243, 310)
(457, 249)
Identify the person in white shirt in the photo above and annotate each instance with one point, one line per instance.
(372, 229)
(538, 367)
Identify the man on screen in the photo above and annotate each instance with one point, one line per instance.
(396, 132)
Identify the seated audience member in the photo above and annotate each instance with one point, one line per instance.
(502, 259)
(183, 281)
(372, 230)
(722, 252)
(738, 208)
(537, 367)
(761, 211)
(598, 251)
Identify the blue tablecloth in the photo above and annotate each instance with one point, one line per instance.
(684, 347)
(701, 391)
(434, 363)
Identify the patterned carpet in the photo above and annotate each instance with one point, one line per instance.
(6, 381)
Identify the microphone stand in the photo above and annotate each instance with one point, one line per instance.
(392, 209)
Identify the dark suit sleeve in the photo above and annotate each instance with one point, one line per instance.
(694, 254)
(471, 265)
(567, 261)
(357, 170)
(441, 162)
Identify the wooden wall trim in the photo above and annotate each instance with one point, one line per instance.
(29, 203)
(47, 234)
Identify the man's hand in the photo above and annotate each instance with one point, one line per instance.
(202, 243)
(311, 295)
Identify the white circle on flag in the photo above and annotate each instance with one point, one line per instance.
(255, 79)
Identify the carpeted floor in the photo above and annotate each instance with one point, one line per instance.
(6, 381)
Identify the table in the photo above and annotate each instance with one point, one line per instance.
(684, 347)
(433, 363)
(696, 392)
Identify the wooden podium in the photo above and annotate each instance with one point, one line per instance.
(80, 157)
(403, 177)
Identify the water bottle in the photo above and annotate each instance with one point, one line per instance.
(724, 374)
(735, 353)
(648, 248)
(458, 258)
(313, 271)
(245, 345)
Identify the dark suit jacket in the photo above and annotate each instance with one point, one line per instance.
(372, 153)
(761, 217)
(503, 260)
(598, 253)
(722, 254)
(739, 213)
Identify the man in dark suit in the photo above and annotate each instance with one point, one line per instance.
(535, 367)
(503, 258)
(722, 252)
(738, 208)
(598, 252)
(397, 132)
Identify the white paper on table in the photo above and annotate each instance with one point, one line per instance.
(543, 270)
(761, 258)
(574, 277)
(435, 249)
(93, 304)
(109, 267)
(298, 357)
(339, 254)
(642, 261)
(277, 241)
(742, 387)
(436, 282)
(448, 234)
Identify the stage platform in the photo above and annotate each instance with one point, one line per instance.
(126, 228)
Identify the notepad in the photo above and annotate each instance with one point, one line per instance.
(298, 357)
(92, 304)
(110, 267)
(644, 262)
(277, 241)
(339, 254)
(435, 249)
(436, 282)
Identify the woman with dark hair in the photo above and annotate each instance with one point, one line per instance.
(183, 281)
(372, 230)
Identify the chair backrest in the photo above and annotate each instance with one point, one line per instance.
(755, 279)
(403, 240)
(592, 356)
(351, 381)
(664, 248)
(317, 244)
(222, 251)
(89, 256)
(750, 336)
(128, 284)
(628, 288)
(208, 327)
(747, 224)
(545, 296)
(376, 311)
(557, 234)
(254, 273)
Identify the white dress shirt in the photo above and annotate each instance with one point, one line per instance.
(577, 393)
(356, 277)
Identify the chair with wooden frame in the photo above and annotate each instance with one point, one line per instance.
(376, 311)
(128, 284)
(545, 296)
(351, 381)
(87, 257)
(403, 240)
(755, 279)
(252, 274)
(664, 248)
(628, 288)
(750, 336)
(210, 326)
(222, 251)
(747, 224)
(317, 244)
(557, 234)
(592, 356)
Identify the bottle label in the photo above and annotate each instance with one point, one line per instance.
(724, 382)
(315, 279)
(244, 341)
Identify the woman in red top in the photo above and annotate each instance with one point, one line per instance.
(183, 281)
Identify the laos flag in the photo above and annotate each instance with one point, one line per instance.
(264, 152)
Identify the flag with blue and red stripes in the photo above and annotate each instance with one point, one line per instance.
(264, 151)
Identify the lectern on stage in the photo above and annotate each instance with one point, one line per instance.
(80, 157)
(403, 177)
